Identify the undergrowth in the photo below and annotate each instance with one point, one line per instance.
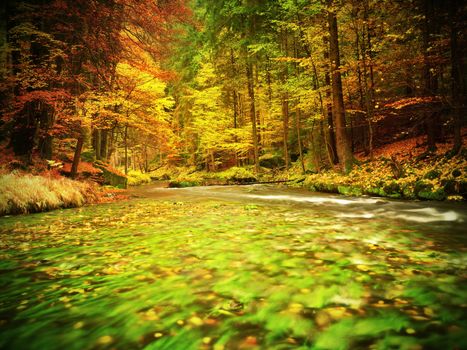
(136, 178)
(436, 178)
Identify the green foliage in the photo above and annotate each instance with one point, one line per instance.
(236, 175)
(136, 177)
(271, 161)
(21, 194)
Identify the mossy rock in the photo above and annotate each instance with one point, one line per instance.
(182, 184)
(376, 191)
(432, 174)
(243, 180)
(326, 187)
(408, 193)
(237, 175)
(350, 190)
(111, 178)
(463, 189)
(422, 186)
(437, 195)
(312, 188)
(450, 186)
(392, 190)
(163, 177)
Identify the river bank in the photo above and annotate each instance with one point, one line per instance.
(433, 177)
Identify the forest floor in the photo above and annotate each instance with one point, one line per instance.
(400, 170)
(204, 273)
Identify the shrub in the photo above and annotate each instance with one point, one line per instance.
(237, 175)
(138, 178)
(29, 194)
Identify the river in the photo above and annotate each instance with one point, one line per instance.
(449, 218)
(236, 267)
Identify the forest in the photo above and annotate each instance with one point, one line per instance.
(233, 174)
(269, 88)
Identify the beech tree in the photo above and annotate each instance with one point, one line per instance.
(63, 52)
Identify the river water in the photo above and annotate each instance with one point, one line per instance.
(236, 267)
(444, 218)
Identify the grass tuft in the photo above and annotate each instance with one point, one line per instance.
(21, 194)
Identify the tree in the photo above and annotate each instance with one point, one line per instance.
(338, 110)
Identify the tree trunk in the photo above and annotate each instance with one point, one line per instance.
(429, 76)
(458, 96)
(104, 144)
(125, 140)
(46, 124)
(146, 160)
(251, 94)
(285, 129)
(97, 143)
(234, 91)
(369, 87)
(213, 160)
(342, 139)
(77, 155)
(331, 144)
(285, 101)
(299, 141)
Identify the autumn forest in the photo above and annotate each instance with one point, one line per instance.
(233, 174)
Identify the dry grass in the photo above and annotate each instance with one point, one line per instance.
(21, 194)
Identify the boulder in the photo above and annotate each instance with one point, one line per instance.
(111, 176)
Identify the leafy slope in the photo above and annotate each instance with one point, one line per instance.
(216, 275)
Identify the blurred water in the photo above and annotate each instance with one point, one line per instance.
(454, 214)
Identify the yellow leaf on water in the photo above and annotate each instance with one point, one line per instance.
(322, 319)
(78, 325)
(428, 311)
(420, 318)
(196, 321)
(106, 339)
(295, 308)
(363, 267)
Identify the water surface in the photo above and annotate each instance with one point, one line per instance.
(246, 267)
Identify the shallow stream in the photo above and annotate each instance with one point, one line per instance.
(236, 267)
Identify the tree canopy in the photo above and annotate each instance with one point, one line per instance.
(213, 84)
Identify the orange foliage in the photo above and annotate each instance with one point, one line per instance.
(411, 101)
(84, 167)
(409, 148)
